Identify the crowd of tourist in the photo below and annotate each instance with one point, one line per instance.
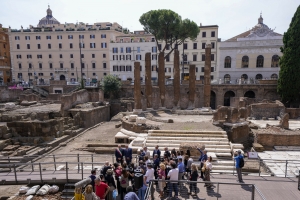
(165, 171)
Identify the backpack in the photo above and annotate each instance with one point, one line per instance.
(242, 162)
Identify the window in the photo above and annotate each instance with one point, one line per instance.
(274, 76)
(38, 37)
(227, 78)
(115, 68)
(203, 57)
(212, 45)
(48, 37)
(275, 61)
(72, 65)
(154, 49)
(104, 65)
(195, 46)
(19, 56)
(139, 50)
(168, 58)
(201, 77)
(50, 56)
(27, 37)
(39, 46)
(19, 75)
(92, 36)
(40, 65)
(141, 69)
(203, 45)
(185, 57)
(154, 57)
(138, 57)
(29, 74)
(122, 57)
(60, 56)
(245, 62)
(60, 45)
(185, 45)
(82, 55)
(20, 66)
(71, 55)
(70, 37)
(258, 77)
(81, 45)
(94, 74)
(213, 34)
(82, 65)
(50, 65)
(18, 46)
(212, 69)
(152, 39)
(227, 62)
(51, 74)
(28, 46)
(59, 37)
(92, 45)
(244, 77)
(94, 65)
(167, 47)
(115, 50)
(39, 56)
(72, 74)
(115, 57)
(128, 49)
(153, 68)
(212, 57)
(128, 57)
(128, 68)
(196, 69)
(29, 65)
(121, 50)
(61, 65)
(71, 45)
(103, 35)
(17, 37)
(104, 74)
(104, 55)
(93, 55)
(122, 68)
(203, 34)
(49, 46)
(159, 46)
(202, 69)
(81, 36)
(103, 45)
(260, 61)
(194, 57)
(29, 56)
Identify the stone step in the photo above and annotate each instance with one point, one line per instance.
(228, 155)
(187, 135)
(176, 144)
(160, 142)
(193, 139)
(171, 146)
(183, 132)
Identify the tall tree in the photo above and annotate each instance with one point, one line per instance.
(289, 82)
(111, 85)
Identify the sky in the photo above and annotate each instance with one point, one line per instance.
(232, 16)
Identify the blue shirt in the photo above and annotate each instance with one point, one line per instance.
(237, 160)
(181, 167)
(131, 196)
(203, 156)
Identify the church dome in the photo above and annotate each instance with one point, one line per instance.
(49, 19)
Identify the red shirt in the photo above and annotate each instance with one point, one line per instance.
(100, 189)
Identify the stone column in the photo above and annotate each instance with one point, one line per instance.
(161, 78)
(192, 86)
(176, 80)
(137, 89)
(207, 70)
(148, 85)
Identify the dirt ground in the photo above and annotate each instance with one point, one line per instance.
(9, 190)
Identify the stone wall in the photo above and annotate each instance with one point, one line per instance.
(131, 126)
(294, 113)
(271, 140)
(268, 110)
(30, 97)
(238, 133)
(70, 100)
(7, 95)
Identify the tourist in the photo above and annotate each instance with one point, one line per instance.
(131, 169)
(130, 194)
(93, 177)
(119, 154)
(194, 177)
(207, 169)
(101, 189)
(89, 194)
(156, 162)
(147, 160)
(167, 153)
(105, 168)
(147, 153)
(187, 163)
(162, 177)
(178, 155)
(142, 166)
(124, 182)
(149, 176)
(111, 183)
(127, 152)
(173, 177)
(237, 157)
(202, 159)
(173, 153)
(78, 194)
(181, 170)
(118, 173)
(142, 155)
(156, 151)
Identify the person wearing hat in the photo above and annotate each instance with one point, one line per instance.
(237, 157)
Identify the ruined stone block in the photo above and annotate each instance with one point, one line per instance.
(132, 118)
(141, 120)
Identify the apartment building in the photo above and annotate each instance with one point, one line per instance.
(193, 52)
(131, 48)
(52, 50)
(5, 65)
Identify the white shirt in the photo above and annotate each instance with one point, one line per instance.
(147, 161)
(173, 174)
(150, 175)
(179, 157)
(208, 165)
(147, 153)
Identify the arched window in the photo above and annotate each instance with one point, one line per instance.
(275, 61)
(260, 61)
(258, 77)
(274, 76)
(226, 78)
(245, 62)
(227, 62)
(244, 76)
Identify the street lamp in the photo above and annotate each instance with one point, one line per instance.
(80, 45)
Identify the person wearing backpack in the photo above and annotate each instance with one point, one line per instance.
(239, 164)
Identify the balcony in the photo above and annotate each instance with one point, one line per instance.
(185, 62)
(61, 70)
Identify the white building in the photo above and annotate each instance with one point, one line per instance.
(250, 56)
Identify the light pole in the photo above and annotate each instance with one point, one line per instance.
(80, 45)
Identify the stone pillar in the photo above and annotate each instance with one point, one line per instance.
(137, 89)
(192, 86)
(161, 78)
(207, 70)
(148, 85)
(176, 80)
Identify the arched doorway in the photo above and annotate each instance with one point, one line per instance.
(212, 100)
(249, 94)
(62, 77)
(227, 97)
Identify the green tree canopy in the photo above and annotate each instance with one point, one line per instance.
(111, 85)
(289, 81)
